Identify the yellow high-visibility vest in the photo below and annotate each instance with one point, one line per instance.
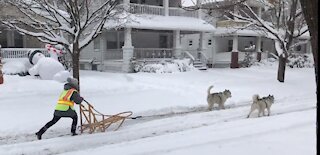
(64, 101)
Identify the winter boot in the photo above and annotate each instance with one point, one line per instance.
(74, 134)
(38, 134)
(41, 131)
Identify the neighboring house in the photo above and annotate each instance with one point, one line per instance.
(158, 30)
(152, 32)
(228, 40)
(10, 38)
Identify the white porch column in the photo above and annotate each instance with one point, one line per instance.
(199, 3)
(166, 7)
(213, 50)
(235, 44)
(127, 51)
(258, 41)
(259, 12)
(177, 44)
(234, 53)
(10, 38)
(236, 11)
(24, 41)
(258, 44)
(309, 47)
(258, 48)
(202, 42)
(126, 4)
(103, 50)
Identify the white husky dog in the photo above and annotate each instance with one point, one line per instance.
(261, 104)
(218, 98)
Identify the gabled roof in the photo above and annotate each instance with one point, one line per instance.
(154, 22)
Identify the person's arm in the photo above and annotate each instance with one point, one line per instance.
(75, 97)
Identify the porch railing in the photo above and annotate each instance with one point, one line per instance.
(114, 54)
(140, 53)
(182, 12)
(159, 10)
(195, 54)
(226, 56)
(231, 23)
(146, 9)
(9, 53)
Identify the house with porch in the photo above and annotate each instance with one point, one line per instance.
(231, 40)
(158, 30)
(10, 38)
(153, 33)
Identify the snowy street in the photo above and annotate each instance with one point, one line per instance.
(174, 117)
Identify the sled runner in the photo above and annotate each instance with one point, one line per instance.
(93, 120)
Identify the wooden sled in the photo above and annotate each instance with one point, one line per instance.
(93, 120)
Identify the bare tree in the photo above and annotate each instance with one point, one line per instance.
(71, 23)
(285, 24)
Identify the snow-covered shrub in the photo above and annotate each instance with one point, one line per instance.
(248, 59)
(19, 66)
(265, 63)
(164, 66)
(298, 60)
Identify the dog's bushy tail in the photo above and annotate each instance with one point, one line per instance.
(209, 89)
(255, 98)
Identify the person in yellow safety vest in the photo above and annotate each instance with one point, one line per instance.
(65, 107)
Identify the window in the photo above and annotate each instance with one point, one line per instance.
(112, 45)
(190, 42)
(18, 40)
(96, 44)
(3, 38)
(230, 42)
(163, 41)
(209, 42)
(82, 66)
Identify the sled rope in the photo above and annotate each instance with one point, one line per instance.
(93, 120)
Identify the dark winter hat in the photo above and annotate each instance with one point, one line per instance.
(73, 82)
(31, 54)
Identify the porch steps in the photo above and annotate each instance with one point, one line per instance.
(199, 65)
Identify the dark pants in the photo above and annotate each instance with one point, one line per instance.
(56, 117)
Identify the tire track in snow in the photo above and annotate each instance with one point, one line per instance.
(29, 137)
(100, 140)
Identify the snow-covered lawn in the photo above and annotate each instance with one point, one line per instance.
(172, 106)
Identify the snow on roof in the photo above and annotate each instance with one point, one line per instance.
(162, 23)
(243, 32)
(248, 32)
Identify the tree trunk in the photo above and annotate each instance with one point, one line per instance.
(281, 68)
(310, 12)
(1, 74)
(75, 62)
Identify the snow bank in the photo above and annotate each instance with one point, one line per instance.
(173, 66)
(16, 66)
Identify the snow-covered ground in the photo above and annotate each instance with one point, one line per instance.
(174, 120)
